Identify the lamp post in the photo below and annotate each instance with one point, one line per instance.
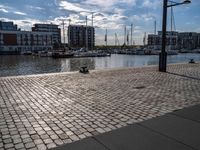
(163, 54)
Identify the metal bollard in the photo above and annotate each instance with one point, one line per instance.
(191, 61)
(84, 70)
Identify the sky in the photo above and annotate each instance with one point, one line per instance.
(112, 15)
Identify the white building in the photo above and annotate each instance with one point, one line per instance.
(20, 41)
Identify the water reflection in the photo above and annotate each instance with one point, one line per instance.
(23, 65)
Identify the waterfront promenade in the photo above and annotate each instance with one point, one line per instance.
(45, 111)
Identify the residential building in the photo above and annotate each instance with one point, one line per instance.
(198, 45)
(188, 40)
(80, 36)
(16, 41)
(51, 28)
(8, 26)
(175, 40)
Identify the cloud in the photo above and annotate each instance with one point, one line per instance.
(24, 24)
(151, 3)
(35, 7)
(71, 6)
(109, 3)
(3, 10)
(19, 13)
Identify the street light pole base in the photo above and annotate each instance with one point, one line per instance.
(163, 62)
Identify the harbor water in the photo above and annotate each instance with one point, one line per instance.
(27, 65)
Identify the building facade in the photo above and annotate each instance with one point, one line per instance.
(8, 26)
(155, 41)
(51, 28)
(175, 40)
(22, 41)
(15, 41)
(188, 40)
(81, 36)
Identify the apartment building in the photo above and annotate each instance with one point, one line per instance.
(80, 36)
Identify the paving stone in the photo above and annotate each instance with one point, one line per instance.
(38, 141)
(41, 147)
(15, 141)
(10, 145)
(1, 145)
(19, 146)
(70, 107)
(30, 145)
(51, 145)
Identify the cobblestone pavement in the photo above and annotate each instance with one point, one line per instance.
(41, 112)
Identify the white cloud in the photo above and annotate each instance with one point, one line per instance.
(24, 24)
(109, 3)
(37, 8)
(19, 13)
(72, 6)
(151, 3)
(3, 10)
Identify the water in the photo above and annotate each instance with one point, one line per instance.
(26, 65)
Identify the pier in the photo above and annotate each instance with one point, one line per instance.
(49, 110)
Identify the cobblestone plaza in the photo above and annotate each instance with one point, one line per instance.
(45, 111)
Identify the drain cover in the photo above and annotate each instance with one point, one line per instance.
(139, 87)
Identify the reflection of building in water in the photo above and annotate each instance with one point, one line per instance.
(75, 64)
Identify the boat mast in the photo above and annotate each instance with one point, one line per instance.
(63, 25)
(116, 40)
(144, 39)
(86, 36)
(106, 36)
(131, 34)
(69, 21)
(125, 35)
(155, 30)
(92, 32)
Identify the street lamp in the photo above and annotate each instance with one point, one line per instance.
(163, 54)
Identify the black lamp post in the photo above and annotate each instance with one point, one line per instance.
(163, 54)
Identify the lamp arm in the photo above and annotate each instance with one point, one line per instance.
(175, 4)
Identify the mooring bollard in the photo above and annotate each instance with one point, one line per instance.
(191, 61)
(84, 69)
